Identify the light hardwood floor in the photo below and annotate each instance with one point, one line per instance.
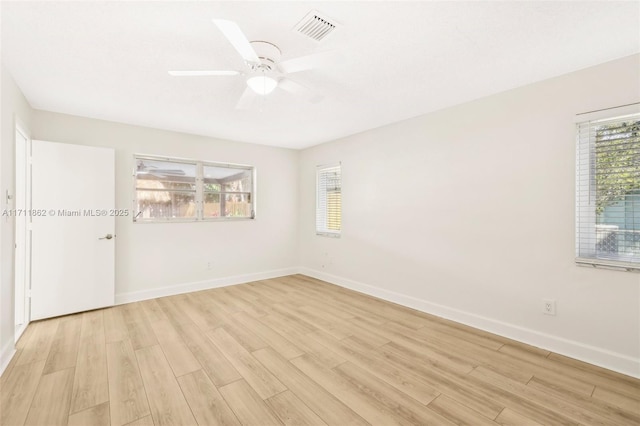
(295, 351)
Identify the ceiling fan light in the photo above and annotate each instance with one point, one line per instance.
(262, 84)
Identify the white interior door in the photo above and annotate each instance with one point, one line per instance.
(73, 191)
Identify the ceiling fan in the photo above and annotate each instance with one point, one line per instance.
(264, 71)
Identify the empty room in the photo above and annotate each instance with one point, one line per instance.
(320, 213)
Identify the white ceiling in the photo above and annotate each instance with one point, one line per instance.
(109, 60)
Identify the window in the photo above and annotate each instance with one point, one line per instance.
(169, 189)
(328, 200)
(608, 192)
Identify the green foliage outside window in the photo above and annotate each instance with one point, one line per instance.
(617, 152)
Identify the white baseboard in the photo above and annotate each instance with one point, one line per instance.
(21, 330)
(136, 296)
(598, 356)
(6, 354)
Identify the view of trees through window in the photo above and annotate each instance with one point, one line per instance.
(227, 192)
(617, 183)
(181, 190)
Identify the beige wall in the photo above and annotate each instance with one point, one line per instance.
(159, 259)
(153, 256)
(469, 213)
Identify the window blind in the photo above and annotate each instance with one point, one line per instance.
(608, 192)
(329, 200)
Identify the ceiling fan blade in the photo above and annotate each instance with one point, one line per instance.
(247, 99)
(203, 73)
(299, 89)
(307, 62)
(236, 37)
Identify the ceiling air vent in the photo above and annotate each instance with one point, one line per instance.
(315, 26)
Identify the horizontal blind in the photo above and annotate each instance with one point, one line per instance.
(329, 200)
(334, 210)
(608, 191)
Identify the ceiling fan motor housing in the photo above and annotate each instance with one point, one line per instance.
(268, 53)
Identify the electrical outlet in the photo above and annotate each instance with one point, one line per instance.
(209, 265)
(548, 306)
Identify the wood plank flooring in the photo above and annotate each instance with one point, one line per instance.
(295, 351)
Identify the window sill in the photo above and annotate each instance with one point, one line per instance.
(188, 220)
(328, 234)
(608, 264)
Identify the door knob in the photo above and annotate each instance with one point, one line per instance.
(107, 237)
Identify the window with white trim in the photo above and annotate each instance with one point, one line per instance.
(329, 200)
(170, 189)
(608, 192)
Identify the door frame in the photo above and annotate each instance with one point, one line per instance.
(22, 246)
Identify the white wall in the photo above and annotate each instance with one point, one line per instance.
(152, 256)
(468, 213)
(14, 106)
